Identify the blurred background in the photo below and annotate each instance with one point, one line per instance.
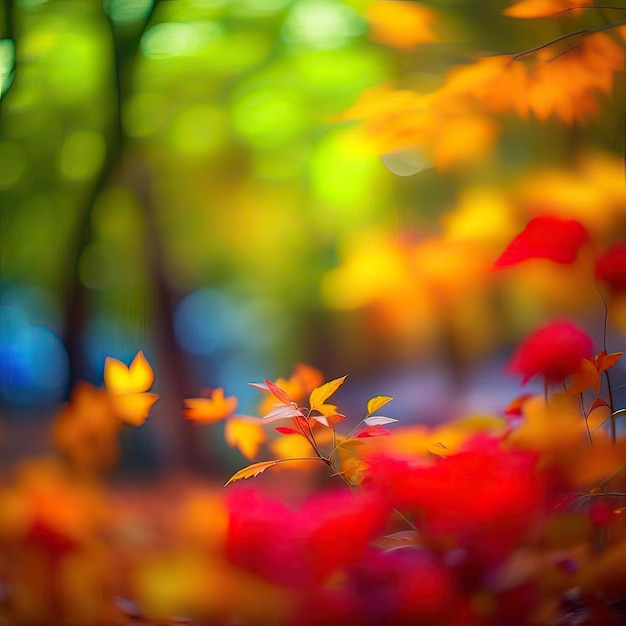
(176, 177)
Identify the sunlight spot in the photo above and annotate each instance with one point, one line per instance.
(173, 39)
(123, 12)
(322, 24)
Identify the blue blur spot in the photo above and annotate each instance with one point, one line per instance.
(205, 322)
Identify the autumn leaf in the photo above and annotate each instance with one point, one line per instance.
(212, 409)
(379, 420)
(376, 403)
(543, 8)
(285, 409)
(245, 433)
(585, 376)
(127, 388)
(401, 25)
(319, 395)
(605, 361)
(250, 472)
(545, 237)
(553, 351)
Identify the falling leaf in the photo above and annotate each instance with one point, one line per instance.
(251, 471)
(127, 388)
(245, 433)
(545, 237)
(543, 8)
(209, 410)
(376, 403)
(319, 395)
(379, 420)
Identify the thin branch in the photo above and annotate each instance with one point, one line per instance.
(578, 33)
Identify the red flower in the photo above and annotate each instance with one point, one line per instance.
(611, 267)
(553, 351)
(545, 237)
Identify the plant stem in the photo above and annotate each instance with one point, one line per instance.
(578, 33)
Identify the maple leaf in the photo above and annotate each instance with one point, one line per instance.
(545, 237)
(127, 388)
(543, 8)
(401, 25)
(212, 409)
(245, 433)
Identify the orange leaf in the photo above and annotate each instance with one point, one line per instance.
(543, 8)
(585, 376)
(246, 434)
(209, 410)
(400, 24)
(133, 408)
(319, 395)
(251, 471)
(604, 361)
(376, 403)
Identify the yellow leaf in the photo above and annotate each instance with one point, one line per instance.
(319, 395)
(208, 410)
(377, 402)
(119, 379)
(126, 387)
(245, 434)
(251, 471)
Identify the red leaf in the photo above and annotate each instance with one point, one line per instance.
(277, 392)
(373, 431)
(597, 403)
(545, 237)
(611, 267)
(553, 351)
(285, 430)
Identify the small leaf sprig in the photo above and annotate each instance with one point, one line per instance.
(338, 452)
